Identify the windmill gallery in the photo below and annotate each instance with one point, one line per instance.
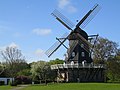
(78, 65)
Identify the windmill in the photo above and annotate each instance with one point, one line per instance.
(80, 48)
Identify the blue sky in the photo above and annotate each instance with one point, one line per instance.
(29, 25)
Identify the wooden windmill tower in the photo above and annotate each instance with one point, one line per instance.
(78, 65)
(79, 49)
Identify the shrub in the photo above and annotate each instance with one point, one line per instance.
(2, 83)
(13, 83)
(23, 80)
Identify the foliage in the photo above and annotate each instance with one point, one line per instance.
(24, 72)
(23, 80)
(56, 61)
(37, 69)
(2, 69)
(113, 72)
(104, 49)
(107, 52)
(14, 61)
(2, 83)
(41, 70)
(13, 83)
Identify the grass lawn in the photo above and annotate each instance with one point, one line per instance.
(69, 86)
(75, 86)
(6, 87)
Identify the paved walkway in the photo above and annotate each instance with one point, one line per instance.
(19, 87)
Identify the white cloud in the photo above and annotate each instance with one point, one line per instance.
(17, 34)
(67, 5)
(43, 32)
(2, 48)
(3, 28)
(72, 9)
(13, 45)
(39, 52)
(63, 3)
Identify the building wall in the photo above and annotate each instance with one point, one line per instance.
(83, 75)
(6, 80)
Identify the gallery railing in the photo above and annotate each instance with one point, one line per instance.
(69, 66)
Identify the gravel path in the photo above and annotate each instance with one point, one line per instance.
(19, 87)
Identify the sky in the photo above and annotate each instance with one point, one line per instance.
(29, 25)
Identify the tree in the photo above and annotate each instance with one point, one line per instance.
(24, 72)
(42, 70)
(107, 52)
(113, 72)
(104, 49)
(2, 69)
(56, 61)
(14, 61)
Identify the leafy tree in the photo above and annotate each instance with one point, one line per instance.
(56, 61)
(107, 52)
(104, 49)
(2, 69)
(113, 71)
(37, 69)
(23, 79)
(24, 72)
(42, 70)
(14, 61)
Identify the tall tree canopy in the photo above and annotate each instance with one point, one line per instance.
(56, 61)
(113, 66)
(107, 52)
(14, 61)
(104, 49)
(42, 71)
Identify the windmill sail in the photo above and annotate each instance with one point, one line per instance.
(84, 40)
(72, 47)
(61, 18)
(56, 45)
(89, 16)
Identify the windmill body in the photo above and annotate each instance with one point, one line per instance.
(78, 54)
(78, 66)
(79, 47)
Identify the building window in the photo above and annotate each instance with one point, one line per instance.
(83, 54)
(89, 54)
(82, 45)
(73, 54)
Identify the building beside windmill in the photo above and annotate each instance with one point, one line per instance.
(78, 66)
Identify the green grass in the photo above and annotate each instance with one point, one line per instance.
(69, 86)
(5, 87)
(75, 86)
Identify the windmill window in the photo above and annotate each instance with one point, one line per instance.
(82, 45)
(89, 54)
(83, 54)
(73, 54)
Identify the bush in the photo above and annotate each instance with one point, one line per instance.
(13, 83)
(23, 80)
(2, 83)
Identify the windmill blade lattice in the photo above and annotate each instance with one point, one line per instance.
(56, 45)
(72, 46)
(89, 16)
(60, 17)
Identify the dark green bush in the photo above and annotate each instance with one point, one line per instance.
(13, 83)
(23, 80)
(2, 83)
